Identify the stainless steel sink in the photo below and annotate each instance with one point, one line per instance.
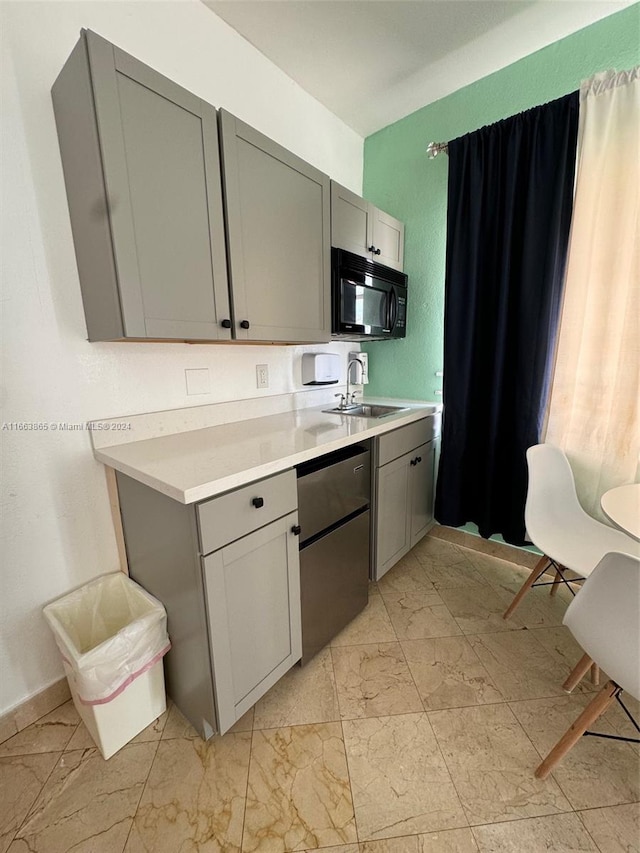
(366, 411)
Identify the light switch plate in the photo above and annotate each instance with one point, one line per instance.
(198, 381)
(262, 375)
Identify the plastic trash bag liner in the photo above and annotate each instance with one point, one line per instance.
(109, 632)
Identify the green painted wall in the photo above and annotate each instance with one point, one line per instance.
(399, 178)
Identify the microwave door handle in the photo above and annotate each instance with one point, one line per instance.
(388, 320)
(393, 309)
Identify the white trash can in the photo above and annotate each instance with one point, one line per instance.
(112, 636)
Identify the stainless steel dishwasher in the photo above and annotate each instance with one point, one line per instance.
(334, 494)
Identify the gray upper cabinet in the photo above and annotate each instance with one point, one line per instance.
(278, 241)
(350, 221)
(360, 227)
(387, 238)
(141, 166)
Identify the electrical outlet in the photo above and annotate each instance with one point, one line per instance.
(262, 375)
(198, 381)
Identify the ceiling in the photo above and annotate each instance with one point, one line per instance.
(372, 62)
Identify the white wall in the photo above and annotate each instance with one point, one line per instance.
(57, 526)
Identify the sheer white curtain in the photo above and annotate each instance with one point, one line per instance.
(594, 411)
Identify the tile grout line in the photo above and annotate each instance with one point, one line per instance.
(55, 764)
(33, 722)
(39, 794)
(469, 637)
(454, 707)
(386, 610)
(333, 666)
(353, 805)
(406, 663)
(586, 829)
(396, 714)
(144, 787)
(449, 773)
(580, 812)
(426, 714)
(536, 750)
(246, 790)
(517, 820)
(484, 669)
(505, 702)
(344, 746)
(553, 656)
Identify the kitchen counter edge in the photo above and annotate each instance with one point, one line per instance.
(111, 456)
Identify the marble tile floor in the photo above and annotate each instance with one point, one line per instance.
(416, 731)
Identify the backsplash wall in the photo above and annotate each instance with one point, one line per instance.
(57, 525)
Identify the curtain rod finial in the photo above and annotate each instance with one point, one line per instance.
(435, 148)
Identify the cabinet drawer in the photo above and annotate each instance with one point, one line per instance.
(393, 444)
(226, 518)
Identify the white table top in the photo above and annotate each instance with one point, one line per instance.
(622, 506)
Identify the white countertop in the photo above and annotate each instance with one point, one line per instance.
(196, 464)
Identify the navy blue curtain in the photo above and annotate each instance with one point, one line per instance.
(509, 210)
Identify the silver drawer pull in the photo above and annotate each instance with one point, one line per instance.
(358, 468)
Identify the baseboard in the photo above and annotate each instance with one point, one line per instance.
(486, 546)
(33, 708)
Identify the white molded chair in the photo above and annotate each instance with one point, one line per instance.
(559, 527)
(605, 620)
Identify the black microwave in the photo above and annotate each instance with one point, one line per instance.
(368, 300)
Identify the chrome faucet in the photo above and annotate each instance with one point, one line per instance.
(350, 401)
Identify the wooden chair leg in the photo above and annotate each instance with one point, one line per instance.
(594, 709)
(578, 673)
(557, 580)
(595, 674)
(536, 571)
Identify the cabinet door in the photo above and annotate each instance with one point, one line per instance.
(160, 160)
(421, 482)
(388, 238)
(253, 608)
(392, 514)
(350, 221)
(278, 233)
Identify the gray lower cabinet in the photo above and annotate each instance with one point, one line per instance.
(227, 571)
(362, 228)
(253, 605)
(404, 491)
(421, 490)
(278, 238)
(142, 172)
